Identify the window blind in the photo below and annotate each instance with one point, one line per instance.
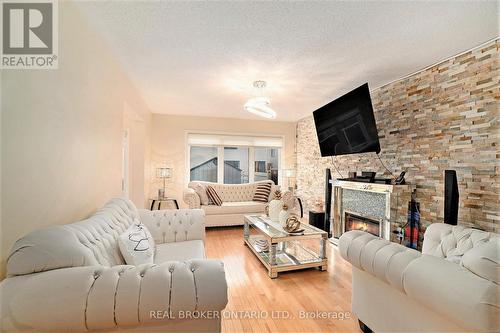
(234, 140)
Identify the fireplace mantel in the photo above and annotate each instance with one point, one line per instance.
(372, 187)
(384, 202)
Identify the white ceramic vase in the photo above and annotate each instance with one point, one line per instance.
(284, 215)
(275, 207)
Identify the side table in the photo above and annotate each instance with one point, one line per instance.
(162, 203)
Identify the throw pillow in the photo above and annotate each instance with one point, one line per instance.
(201, 190)
(213, 196)
(151, 240)
(262, 192)
(135, 245)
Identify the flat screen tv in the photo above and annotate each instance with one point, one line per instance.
(347, 125)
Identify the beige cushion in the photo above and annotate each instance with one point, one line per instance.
(454, 292)
(201, 190)
(244, 207)
(484, 260)
(191, 198)
(179, 251)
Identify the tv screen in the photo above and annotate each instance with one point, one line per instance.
(347, 125)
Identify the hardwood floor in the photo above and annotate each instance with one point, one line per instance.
(253, 296)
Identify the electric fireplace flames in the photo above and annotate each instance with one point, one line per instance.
(356, 222)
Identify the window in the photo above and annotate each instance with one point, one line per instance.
(246, 158)
(260, 166)
(203, 163)
(235, 165)
(267, 164)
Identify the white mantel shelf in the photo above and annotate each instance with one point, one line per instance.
(372, 187)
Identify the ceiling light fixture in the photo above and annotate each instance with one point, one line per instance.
(260, 105)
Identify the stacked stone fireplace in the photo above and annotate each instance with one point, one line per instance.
(375, 208)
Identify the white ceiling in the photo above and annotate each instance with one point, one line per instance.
(200, 58)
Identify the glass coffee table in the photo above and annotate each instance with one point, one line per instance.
(281, 251)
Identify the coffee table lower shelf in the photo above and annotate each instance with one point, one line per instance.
(288, 256)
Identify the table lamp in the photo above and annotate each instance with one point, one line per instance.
(163, 173)
(289, 173)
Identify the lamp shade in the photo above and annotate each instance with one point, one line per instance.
(164, 172)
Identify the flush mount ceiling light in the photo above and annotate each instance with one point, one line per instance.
(260, 105)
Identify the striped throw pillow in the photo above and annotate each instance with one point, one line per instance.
(262, 192)
(213, 196)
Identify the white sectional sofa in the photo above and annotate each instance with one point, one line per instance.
(452, 286)
(237, 201)
(72, 278)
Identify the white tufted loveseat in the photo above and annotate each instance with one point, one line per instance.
(72, 278)
(452, 286)
(237, 201)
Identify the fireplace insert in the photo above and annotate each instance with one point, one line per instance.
(357, 222)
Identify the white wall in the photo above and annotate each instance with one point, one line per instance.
(61, 135)
(138, 125)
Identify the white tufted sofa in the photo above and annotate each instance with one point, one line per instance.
(72, 278)
(237, 201)
(452, 286)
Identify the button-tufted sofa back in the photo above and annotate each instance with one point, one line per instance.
(476, 250)
(179, 225)
(92, 241)
(235, 192)
(452, 242)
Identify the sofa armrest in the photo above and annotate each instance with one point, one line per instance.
(385, 260)
(105, 298)
(174, 225)
(191, 198)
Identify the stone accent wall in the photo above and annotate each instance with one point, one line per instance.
(445, 117)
